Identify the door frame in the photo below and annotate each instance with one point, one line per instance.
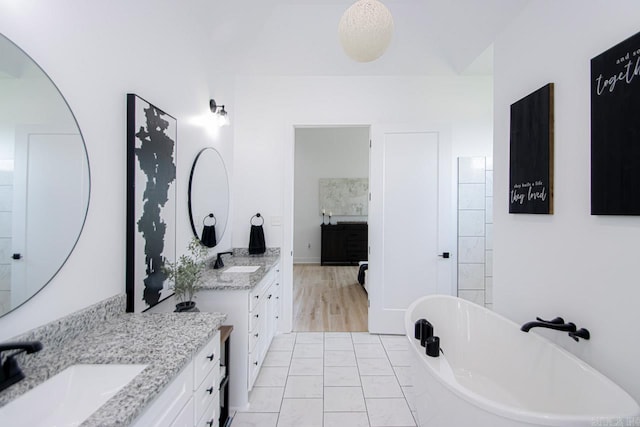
(286, 254)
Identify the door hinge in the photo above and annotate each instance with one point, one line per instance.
(369, 143)
(368, 303)
(369, 196)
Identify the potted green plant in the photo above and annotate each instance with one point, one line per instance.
(186, 274)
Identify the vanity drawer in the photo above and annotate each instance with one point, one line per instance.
(254, 299)
(256, 340)
(185, 417)
(206, 360)
(254, 337)
(256, 316)
(256, 295)
(207, 393)
(254, 367)
(210, 417)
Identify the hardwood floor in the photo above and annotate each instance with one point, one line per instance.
(329, 299)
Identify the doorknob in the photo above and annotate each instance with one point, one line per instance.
(445, 255)
(16, 256)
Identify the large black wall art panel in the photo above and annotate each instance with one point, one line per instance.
(615, 130)
(151, 202)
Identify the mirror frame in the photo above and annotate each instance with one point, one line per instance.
(65, 103)
(189, 201)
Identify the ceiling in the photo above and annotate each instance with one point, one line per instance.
(299, 37)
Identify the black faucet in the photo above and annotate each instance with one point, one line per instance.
(557, 324)
(219, 264)
(10, 372)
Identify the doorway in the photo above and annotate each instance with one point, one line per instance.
(329, 161)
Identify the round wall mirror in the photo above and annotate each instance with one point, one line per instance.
(44, 178)
(208, 197)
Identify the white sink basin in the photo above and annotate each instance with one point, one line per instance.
(242, 269)
(68, 398)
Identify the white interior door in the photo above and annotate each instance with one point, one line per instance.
(410, 223)
(52, 184)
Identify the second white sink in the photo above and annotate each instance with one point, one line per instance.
(242, 269)
(68, 398)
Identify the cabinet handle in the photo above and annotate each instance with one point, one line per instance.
(256, 335)
(210, 357)
(277, 297)
(277, 317)
(277, 283)
(269, 297)
(257, 296)
(255, 363)
(256, 316)
(210, 423)
(210, 390)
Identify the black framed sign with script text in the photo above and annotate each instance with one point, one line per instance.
(615, 130)
(531, 153)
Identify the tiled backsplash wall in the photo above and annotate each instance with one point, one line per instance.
(6, 203)
(475, 229)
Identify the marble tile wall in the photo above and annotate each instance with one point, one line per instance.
(6, 203)
(475, 229)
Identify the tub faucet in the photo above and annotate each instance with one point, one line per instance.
(10, 372)
(557, 324)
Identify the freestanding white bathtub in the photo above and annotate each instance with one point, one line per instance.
(491, 374)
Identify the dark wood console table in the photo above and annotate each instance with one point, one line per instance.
(345, 243)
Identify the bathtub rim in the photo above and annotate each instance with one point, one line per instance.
(499, 409)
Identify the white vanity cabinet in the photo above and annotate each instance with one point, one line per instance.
(254, 314)
(191, 399)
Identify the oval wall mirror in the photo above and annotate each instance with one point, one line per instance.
(208, 197)
(44, 178)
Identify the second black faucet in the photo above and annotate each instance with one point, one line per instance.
(558, 324)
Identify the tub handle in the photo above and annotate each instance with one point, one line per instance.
(580, 333)
(555, 321)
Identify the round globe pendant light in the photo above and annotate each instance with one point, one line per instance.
(365, 30)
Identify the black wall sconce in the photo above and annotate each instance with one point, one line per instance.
(219, 111)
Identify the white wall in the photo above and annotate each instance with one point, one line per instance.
(572, 264)
(268, 107)
(96, 52)
(330, 152)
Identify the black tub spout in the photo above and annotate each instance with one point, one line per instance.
(566, 327)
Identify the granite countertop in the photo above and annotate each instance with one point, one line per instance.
(165, 342)
(220, 280)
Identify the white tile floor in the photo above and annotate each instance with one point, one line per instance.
(332, 379)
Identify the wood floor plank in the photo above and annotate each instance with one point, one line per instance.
(328, 299)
